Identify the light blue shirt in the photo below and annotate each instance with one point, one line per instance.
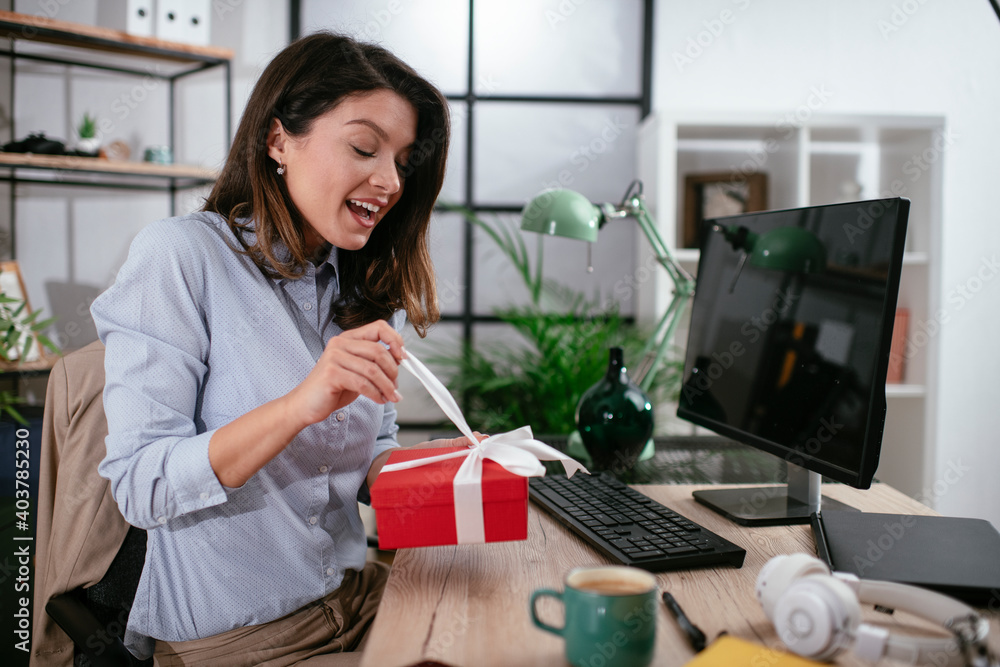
(197, 336)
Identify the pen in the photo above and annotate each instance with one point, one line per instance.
(695, 636)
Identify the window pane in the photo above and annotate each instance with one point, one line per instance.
(523, 148)
(499, 284)
(558, 47)
(417, 406)
(447, 252)
(431, 37)
(453, 191)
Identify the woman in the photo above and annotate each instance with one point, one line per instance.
(252, 355)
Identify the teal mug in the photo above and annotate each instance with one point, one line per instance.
(610, 617)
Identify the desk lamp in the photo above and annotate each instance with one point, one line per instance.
(569, 214)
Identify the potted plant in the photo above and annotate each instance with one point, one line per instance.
(560, 349)
(19, 330)
(89, 144)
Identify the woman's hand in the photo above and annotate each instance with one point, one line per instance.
(354, 363)
(460, 441)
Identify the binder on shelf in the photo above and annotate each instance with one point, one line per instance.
(897, 349)
(135, 17)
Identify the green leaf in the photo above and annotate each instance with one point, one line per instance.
(537, 374)
(49, 345)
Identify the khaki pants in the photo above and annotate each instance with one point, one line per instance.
(337, 623)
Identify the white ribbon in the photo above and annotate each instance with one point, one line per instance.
(517, 451)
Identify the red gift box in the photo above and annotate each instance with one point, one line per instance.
(416, 507)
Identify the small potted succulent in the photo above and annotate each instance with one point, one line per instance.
(89, 144)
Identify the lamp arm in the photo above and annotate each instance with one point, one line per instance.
(660, 341)
(636, 207)
(656, 347)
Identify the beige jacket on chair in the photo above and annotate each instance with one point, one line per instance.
(80, 528)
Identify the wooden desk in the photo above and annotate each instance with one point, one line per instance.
(468, 605)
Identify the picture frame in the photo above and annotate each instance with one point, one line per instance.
(12, 286)
(718, 194)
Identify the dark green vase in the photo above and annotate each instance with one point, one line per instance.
(614, 418)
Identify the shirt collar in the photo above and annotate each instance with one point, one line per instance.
(282, 253)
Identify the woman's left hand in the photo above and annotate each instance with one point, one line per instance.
(460, 441)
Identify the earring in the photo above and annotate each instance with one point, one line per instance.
(281, 169)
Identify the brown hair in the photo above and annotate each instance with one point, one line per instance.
(306, 80)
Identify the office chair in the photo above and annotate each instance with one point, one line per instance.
(95, 617)
(85, 585)
(88, 558)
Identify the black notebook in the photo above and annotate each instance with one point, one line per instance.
(955, 556)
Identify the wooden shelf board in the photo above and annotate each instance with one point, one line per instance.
(905, 391)
(98, 165)
(693, 254)
(44, 364)
(64, 33)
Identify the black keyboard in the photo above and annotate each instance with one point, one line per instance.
(629, 527)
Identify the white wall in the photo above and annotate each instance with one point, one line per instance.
(72, 241)
(881, 57)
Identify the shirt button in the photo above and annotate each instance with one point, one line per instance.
(323, 468)
(307, 306)
(313, 520)
(329, 571)
(204, 496)
(161, 519)
(341, 416)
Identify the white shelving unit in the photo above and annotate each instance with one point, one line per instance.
(825, 159)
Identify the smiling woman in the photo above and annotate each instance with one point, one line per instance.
(344, 175)
(252, 355)
(354, 98)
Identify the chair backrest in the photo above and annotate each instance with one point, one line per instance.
(88, 559)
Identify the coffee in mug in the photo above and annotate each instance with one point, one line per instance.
(610, 616)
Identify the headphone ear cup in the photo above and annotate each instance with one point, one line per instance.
(817, 616)
(779, 573)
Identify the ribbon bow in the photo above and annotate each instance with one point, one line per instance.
(517, 451)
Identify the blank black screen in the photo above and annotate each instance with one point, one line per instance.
(794, 363)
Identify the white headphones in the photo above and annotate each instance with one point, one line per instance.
(818, 615)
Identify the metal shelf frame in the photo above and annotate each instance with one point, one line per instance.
(193, 60)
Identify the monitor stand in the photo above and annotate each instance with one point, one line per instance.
(772, 505)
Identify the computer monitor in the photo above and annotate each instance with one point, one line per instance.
(788, 346)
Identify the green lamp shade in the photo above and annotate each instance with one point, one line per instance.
(782, 249)
(789, 249)
(562, 213)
